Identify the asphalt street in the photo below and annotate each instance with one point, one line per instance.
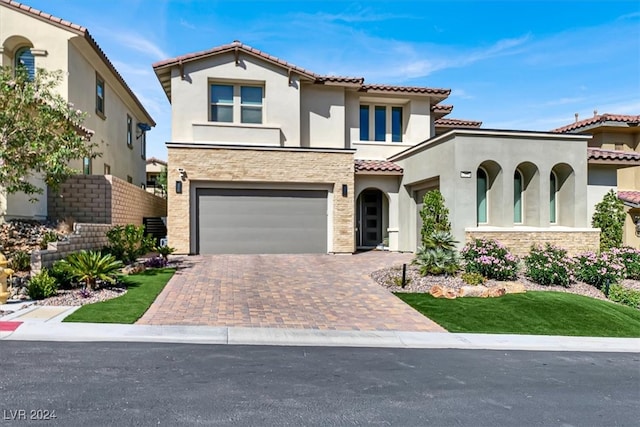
(127, 384)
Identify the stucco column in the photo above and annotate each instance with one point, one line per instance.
(394, 222)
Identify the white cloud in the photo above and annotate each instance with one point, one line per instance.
(140, 44)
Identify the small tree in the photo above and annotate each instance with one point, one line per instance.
(609, 217)
(39, 132)
(434, 214)
(162, 181)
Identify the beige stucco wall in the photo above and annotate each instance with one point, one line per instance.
(602, 179)
(216, 166)
(103, 199)
(446, 158)
(519, 242)
(322, 118)
(56, 48)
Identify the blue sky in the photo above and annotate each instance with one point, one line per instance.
(511, 64)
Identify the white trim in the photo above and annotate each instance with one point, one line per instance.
(526, 228)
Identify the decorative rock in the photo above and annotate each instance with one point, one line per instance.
(473, 291)
(495, 291)
(438, 291)
(513, 288)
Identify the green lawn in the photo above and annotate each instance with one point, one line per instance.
(532, 313)
(143, 288)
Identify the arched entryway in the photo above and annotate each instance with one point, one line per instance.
(370, 218)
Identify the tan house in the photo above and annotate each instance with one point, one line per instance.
(154, 169)
(614, 163)
(35, 39)
(268, 157)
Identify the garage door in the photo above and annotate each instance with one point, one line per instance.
(238, 221)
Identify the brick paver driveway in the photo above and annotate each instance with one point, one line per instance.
(285, 291)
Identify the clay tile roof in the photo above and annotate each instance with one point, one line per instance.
(612, 155)
(457, 123)
(599, 119)
(80, 30)
(378, 166)
(229, 48)
(630, 197)
(154, 160)
(340, 79)
(421, 90)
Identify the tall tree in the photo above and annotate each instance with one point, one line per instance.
(39, 131)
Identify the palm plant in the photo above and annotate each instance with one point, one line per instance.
(91, 266)
(438, 255)
(164, 251)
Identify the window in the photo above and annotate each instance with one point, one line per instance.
(228, 100)
(380, 123)
(221, 103)
(99, 96)
(129, 179)
(26, 61)
(375, 121)
(251, 104)
(481, 195)
(143, 145)
(517, 197)
(396, 124)
(553, 191)
(107, 169)
(129, 131)
(364, 123)
(86, 165)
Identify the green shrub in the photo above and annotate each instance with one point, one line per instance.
(434, 214)
(609, 217)
(21, 261)
(473, 279)
(599, 269)
(48, 237)
(42, 286)
(549, 266)
(397, 280)
(60, 272)
(164, 251)
(490, 258)
(91, 266)
(630, 258)
(438, 255)
(622, 295)
(128, 242)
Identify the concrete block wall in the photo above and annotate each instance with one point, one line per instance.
(519, 242)
(84, 237)
(103, 199)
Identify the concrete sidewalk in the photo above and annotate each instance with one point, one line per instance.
(42, 323)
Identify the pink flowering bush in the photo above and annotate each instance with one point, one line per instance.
(630, 258)
(599, 269)
(490, 258)
(549, 266)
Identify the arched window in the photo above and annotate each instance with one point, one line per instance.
(517, 197)
(482, 185)
(25, 60)
(553, 191)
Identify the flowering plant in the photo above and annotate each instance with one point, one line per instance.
(549, 266)
(490, 258)
(630, 258)
(599, 269)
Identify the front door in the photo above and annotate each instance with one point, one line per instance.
(370, 218)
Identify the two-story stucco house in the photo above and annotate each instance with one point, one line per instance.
(614, 163)
(34, 39)
(268, 157)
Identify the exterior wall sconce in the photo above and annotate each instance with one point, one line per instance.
(465, 174)
(345, 190)
(178, 187)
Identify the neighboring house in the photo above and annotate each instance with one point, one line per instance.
(614, 163)
(268, 157)
(155, 168)
(35, 39)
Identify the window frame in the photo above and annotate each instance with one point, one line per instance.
(371, 122)
(101, 104)
(87, 166)
(486, 197)
(238, 106)
(520, 193)
(244, 105)
(143, 145)
(553, 198)
(129, 131)
(31, 71)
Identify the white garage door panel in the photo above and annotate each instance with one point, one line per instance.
(261, 221)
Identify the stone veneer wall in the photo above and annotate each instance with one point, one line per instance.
(85, 236)
(103, 199)
(211, 164)
(520, 241)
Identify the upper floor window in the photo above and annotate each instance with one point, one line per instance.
(86, 165)
(26, 61)
(377, 120)
(233, 103)
(129, 131)
(143, 145)
(100, 96)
